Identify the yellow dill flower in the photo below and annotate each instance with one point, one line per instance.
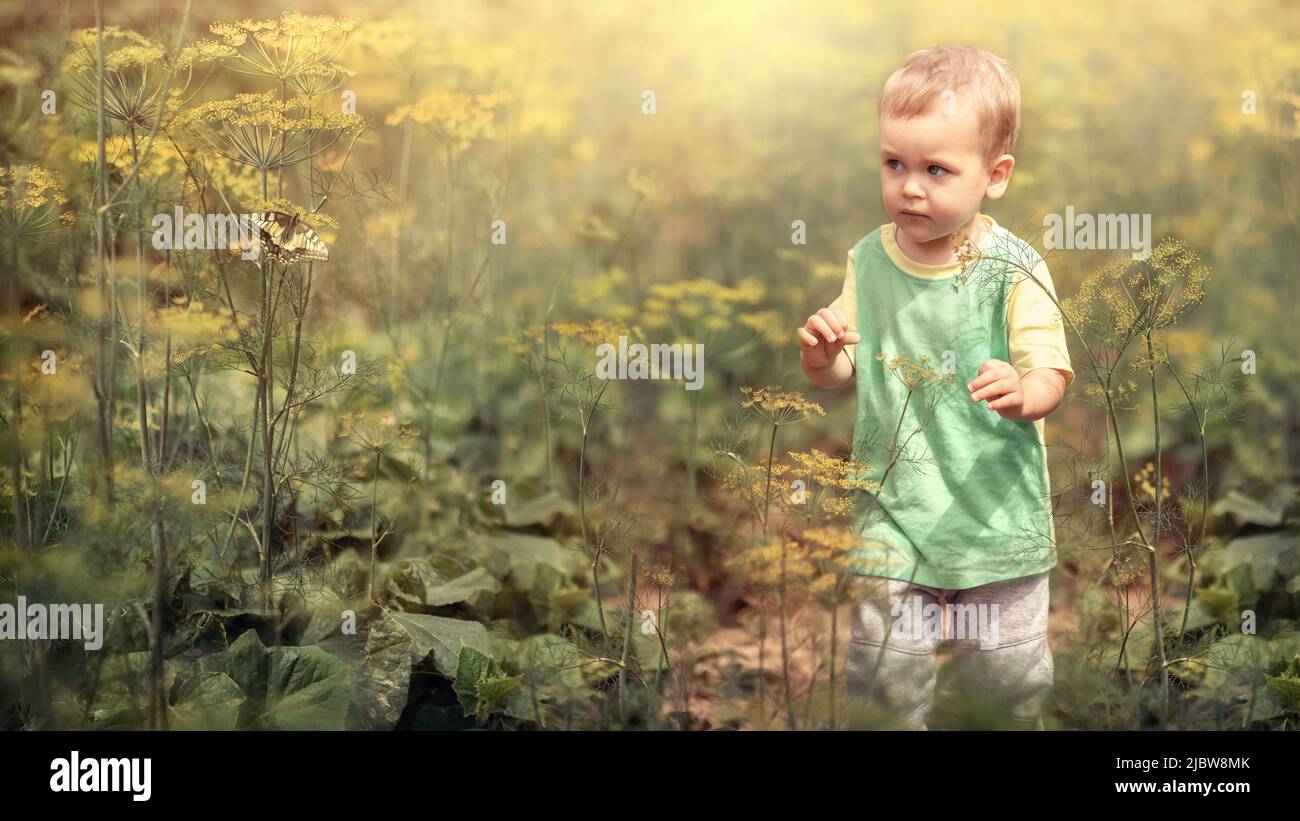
(30, 200)
(137, 70)
(379, 436)
(453, 116)
(838, 507)
(282, 49)
(699, 308)
(915, 375)
(761, 565)
(832, 471)
(780, 407)
(317, 221)
(749, 483)
(595, 331)
(1126, 296)
(1146, 476)
(123, 49)
(266, 133)
(968, 254)
(660, 574)
(767, 324)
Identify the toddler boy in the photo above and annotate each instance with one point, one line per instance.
(955, 372)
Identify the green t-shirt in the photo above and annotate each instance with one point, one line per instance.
(966, 501)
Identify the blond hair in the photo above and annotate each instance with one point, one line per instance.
(967, 72)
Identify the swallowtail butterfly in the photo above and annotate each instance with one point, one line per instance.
(286, 236)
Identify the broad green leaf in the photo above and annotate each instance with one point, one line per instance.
(441, 637)
(1268, 555)
(574, 605)
(246, 663)
(539, 510)
(207, 701)
(462, 588)
(546, 580)
(384, 676)
(1287, 685)
(481, 685)
(412, 580)
(291, 688)
(521, 553)
(1248, 510)
(307, 689)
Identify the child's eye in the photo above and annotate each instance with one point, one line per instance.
(890, 164)
(940, 167)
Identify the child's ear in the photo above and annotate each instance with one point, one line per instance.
(1000, 176)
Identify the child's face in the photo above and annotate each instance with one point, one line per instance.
(934, 167)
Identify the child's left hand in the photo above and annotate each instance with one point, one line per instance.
(998, 382)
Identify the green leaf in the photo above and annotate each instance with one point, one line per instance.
(207, 701)
(412, 580)
(546, 580)
(462, 588)
(1268, 555)
(1247, 510)
(247, 664)
(1287, 685)
(290, 688)
(307, 689)
(384, 677)
(521, 554)
(124, 690)
(481, 685)
(441, 637)
(539, 510)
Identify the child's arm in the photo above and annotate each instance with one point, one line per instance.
(1022, 398)
(827, 341)
(821, 348)
(1032, 384)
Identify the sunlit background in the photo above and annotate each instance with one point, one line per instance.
(501, 186)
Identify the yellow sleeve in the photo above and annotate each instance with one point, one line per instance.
(847, 302)
(1035, 331)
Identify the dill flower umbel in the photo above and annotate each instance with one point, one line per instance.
(284, 49)
(832, 471)
(750, 483)
(376, 436)
(761, 565)
(266, 133)
(1125, 296)
(316, 220)
(780, 407)
(30, 197)
(592, 332)
(915, 375)
(454, 117)
(137, 70)
(698, 307)
(1146, 476)
(830, 550)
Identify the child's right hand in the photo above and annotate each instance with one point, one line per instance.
(823, 336)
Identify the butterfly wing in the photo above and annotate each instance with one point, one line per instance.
(288, 236)
(304, 243)
(271, 227)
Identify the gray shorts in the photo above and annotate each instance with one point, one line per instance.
(1001, 662)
